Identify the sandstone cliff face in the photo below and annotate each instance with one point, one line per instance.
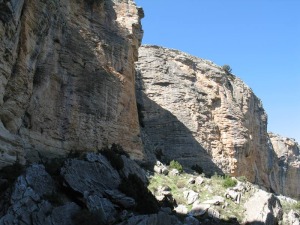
(195, 112)
(288, 153)
(67, 76)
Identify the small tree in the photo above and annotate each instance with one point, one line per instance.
(227, 68)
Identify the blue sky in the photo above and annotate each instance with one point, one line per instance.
(259, 39)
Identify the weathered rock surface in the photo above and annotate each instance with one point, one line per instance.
(67, 77)
(263, 208)
(288, 153)
(154, 219)
(197, 113)
(86, 189)
(29, 204)
(291, 218)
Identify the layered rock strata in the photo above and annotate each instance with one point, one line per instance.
(288, 153)
(67, 76)
(196, 112)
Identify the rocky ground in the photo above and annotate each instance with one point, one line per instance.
(220, 199)
(109, 188)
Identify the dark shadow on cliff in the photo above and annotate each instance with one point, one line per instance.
(71, 80)
(166, 138)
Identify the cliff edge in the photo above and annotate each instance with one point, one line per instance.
(67, 77)
(200, 114)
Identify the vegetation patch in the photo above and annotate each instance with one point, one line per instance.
(176, 165)
(229, 182)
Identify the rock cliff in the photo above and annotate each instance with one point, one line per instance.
(67, 77)
(194, 111)
(288, 153)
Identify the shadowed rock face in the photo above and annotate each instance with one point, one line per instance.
(67, 76)
(195, 112)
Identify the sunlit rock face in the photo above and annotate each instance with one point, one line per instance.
(195, 112)
(288, 153)
(67, 77)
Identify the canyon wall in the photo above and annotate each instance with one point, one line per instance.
(67, 77)
(288, 153)
(195, 112)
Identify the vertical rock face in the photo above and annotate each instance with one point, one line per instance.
(288, 153)
(195, 112)
(67, 76)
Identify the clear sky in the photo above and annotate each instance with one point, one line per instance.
(259, 39)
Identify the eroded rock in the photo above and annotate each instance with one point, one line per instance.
(264, 208)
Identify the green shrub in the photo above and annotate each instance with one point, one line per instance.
(227, 68)
(176, 165)
(297, 206)
(197, 168)
(134, 187)
(229, 182)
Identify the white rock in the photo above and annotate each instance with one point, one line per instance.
(190, 196)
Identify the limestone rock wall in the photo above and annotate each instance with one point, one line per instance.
(288, 153)
(195, 112)
(67, 76)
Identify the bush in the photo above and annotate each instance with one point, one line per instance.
(197, 168)
(229, 182)
(227, 68)
(176, 165)
(134, 187)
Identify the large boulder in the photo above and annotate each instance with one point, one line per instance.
(263, 208)
(31, 201)
(95, 174)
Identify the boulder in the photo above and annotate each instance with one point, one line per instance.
(174, 172)
(181, 209)
(199, 180)
(102, 206)
(93, 175)
(199, 209)
(190, 220)
(191, 180)
(217, 200)
(190, 196)
(131, 167)
(233, 195)
(263, 207)
(120, 199)
(213, 213)
(291, 218)
(160, 168)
